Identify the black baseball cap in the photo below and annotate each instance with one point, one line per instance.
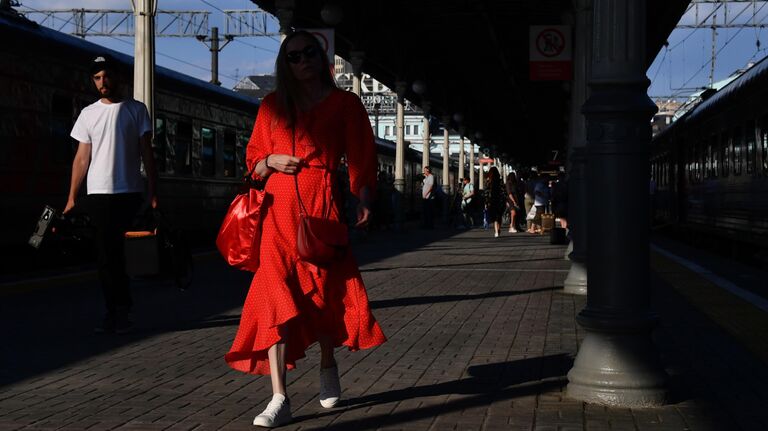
(102, 62)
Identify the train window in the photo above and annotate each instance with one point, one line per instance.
(736, 153)
(697, 166)
(208, 154)
(159, 143)
(708, 161)
(62, 147)
(764, 146)
(689, 164)
(228, 154)
(725, 154)
(183, 148)
(714, 152)
(749, 141)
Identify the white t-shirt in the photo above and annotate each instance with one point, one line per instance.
(113, 131)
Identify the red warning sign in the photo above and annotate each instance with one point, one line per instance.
(550, 53)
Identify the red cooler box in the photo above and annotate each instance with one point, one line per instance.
(142, 253)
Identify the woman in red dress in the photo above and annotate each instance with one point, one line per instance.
(302, 131)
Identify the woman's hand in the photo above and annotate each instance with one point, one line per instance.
(284, 163)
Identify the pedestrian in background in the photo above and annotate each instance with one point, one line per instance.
(114, 136)
(512, 201)
(496, 201)
(301, 132)
(467, 207)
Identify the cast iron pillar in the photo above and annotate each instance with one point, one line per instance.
(356, 60)
(446, 160)
(461, 155)
(399, 183)
(426, 106)
(144, 55)
(576, 281)
(617, 363)
(481, 172)
(472, 162)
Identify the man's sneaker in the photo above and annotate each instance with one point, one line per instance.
(107, 325)
(330, 389)
(278, 412)
(123, 326)
(123, 323)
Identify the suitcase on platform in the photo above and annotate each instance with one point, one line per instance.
(161, 252)
(547, 222)
(142, 253)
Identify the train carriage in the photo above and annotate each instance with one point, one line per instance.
(711, 165)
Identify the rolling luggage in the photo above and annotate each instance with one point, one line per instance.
(160, 252)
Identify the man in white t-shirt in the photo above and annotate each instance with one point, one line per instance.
(115, 136)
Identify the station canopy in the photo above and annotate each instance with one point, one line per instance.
(473, 57)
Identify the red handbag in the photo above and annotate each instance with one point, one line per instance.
(240, 233)
(319, 241)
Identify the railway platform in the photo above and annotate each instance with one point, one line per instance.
(481, 337)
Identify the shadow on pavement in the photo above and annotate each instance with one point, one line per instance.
(50, 328)
(488, 383)
(420, 300)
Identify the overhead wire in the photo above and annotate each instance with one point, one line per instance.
(682, 89)
(247, 25)
(158, 52)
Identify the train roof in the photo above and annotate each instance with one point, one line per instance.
(750, 77)
(42, 41)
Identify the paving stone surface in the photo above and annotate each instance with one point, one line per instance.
(481, 337)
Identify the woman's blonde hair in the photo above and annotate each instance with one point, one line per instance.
(287, 92)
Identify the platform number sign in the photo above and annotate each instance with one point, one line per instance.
(550, 53)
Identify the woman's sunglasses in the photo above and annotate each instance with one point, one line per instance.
(294, 57)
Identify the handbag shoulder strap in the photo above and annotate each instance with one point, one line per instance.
(302, 209)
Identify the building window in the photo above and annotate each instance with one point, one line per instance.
(416, 129)
(386, 130)
(408, 129)
(208, 153)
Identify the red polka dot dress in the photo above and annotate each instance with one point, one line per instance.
(286, 295)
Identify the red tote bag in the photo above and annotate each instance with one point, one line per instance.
(240, 233)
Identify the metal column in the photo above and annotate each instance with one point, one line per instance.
(446, 157)
(617, 363)
(576, 281)
(144, 54)
(399, 184)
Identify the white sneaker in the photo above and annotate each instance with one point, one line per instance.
(330, 388)
(278, 412)
(495, 235)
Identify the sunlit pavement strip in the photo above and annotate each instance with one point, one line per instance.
(746, 295)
